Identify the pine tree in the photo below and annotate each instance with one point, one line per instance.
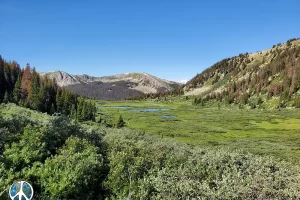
(52, 109)
(6, 97)
(40, 100)
(15, 71)
(94, 112)
(79, 108)
(59, 102)
(234, 86)
(47, 95)
(120, 122)
(17, 90)
(83, 112)
(29, 93)
(26, 78)
(35, 91)
(90, 111)
(2, 79)
(73, 112)
(67, 103)
(8, 80)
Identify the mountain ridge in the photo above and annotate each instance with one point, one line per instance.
(113, 87)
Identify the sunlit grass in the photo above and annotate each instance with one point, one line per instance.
(265, 132)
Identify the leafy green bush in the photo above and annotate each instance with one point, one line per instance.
(72, 173)
(60, 158)
(144, 167)
(65, 160)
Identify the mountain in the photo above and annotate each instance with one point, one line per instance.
(117, 87)
(272, 74)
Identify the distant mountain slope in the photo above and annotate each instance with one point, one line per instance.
(65, 79)
(105, 91)
(115, 87)
(270, 73)
(146, 83)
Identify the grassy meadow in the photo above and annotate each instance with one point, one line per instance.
(263, 132)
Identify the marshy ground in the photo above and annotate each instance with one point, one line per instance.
(264, 132)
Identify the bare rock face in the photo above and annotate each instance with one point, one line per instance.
(62, 78)
(146, 83)
(115, 87)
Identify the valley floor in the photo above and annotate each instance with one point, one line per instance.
(264, 132)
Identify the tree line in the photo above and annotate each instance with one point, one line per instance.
(25, 87)
(174, 92)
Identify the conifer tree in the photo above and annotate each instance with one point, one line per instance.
(2, 79)
(35, 92)
(90, 111)
(47, 94)
(26, 78)
(79, 108)
(59, 102)
(52, 109)
(120, 122)
(8, 80)
(83, 112)
(94, 112)
(40, 100)
(6, 97)
(67, 102)
(73, 112)
(15, 72)
(17, 90)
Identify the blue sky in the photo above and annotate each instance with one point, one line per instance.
(172, 39)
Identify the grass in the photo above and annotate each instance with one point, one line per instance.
(264, 132)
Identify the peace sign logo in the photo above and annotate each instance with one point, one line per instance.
(21, 191)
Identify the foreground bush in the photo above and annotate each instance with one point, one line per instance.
(61, 159)
(145, 167)
(65, 160)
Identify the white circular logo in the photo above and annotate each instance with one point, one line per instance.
(21, 191)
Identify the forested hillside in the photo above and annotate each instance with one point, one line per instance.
(64, 159)
(253, 78)
(105, 91)
(269, 78)
(25, 87)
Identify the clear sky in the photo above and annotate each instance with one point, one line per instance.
(172, 39)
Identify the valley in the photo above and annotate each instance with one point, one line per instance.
(150, 100)
(269, 132)
(228, 133)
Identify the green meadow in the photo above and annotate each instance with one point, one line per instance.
(264, 132)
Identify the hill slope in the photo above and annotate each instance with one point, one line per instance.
(268, 74)
(115, 87)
